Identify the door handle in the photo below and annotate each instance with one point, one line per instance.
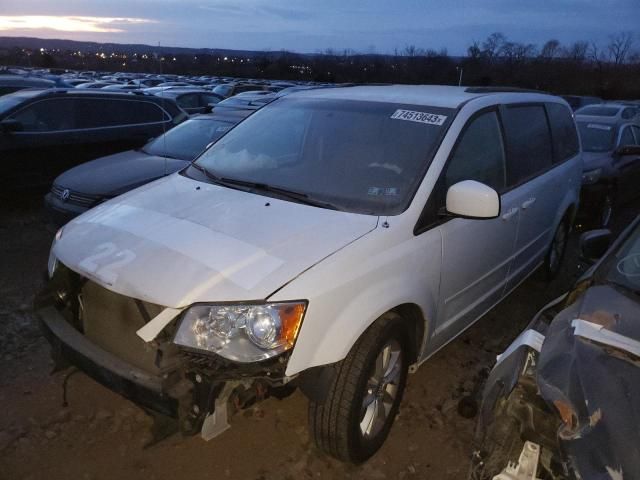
(527, 203)
(507, 216)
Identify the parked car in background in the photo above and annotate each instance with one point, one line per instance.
(121, 87)
(192, 100)
(611, 146)
(563, 401)
(73, 82)
(85, 186)
(45, 132)
(227, 90)
(579, 101)
(13, 83)
(616, 111)
(245, 101)
(94, 85)
(329, 241)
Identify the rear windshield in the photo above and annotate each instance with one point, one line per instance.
(188, 139)
(7, 102)
(598, 111)
(596, 137)
(364, 157)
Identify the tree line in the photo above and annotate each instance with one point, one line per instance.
(584, 68)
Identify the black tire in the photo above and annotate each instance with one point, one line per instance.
(557, 249)
(335, 424)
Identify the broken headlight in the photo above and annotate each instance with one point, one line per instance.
(243, 333)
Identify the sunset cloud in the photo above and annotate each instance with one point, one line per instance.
(10, 23)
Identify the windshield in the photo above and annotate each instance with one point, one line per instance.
(596, 137)
(623, 267)
(188, 139)
(365, 157)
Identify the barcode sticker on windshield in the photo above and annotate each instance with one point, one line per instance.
(598, 126)
(420, 117)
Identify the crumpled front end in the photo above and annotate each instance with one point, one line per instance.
(576, 396)
(595, 386)
(94, 329)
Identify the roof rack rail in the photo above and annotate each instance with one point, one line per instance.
(502, 90)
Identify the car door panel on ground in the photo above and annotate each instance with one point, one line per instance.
(473, 279)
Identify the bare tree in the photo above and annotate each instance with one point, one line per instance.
(410, 51)
(577, 51)
(550, 50)
(594, 53)
(619, 46)
(493, 45)
(474, 51)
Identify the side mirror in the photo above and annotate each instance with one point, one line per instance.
(9, 126)
(594, 244)
(209, 108)
(628, 150)
(471, 199)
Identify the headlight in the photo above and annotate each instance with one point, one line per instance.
(591, 176)
(52, 264)
(243, 333)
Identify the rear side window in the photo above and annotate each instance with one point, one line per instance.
(528, 142)
(627, 137)
(52, 115)
(100, 113)
(563, 130)
(479, 154)
(636, 132)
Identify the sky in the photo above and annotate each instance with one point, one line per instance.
(372, 26)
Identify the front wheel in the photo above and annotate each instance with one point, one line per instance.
(355, 418)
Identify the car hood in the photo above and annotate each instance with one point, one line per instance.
(177, 241)
(593, 160)
(116, 174)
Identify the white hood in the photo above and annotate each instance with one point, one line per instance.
(176, 241)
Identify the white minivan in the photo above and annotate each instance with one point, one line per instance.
(332, 242)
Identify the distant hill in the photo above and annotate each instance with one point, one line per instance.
(33, 43)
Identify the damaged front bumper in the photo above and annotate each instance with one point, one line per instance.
(192, 392)
(71, 347)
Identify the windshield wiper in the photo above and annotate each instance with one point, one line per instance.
(298, 197)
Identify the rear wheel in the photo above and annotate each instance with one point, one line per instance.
(557, 249)
(356, 416)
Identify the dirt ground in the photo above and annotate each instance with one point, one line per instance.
(102, 436)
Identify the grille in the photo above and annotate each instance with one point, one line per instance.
(76, 198)
(110, 321)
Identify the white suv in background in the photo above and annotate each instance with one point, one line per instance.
(330, 241)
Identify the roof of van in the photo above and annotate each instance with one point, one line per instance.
(428, 95)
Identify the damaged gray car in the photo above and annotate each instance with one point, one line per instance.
(563, 401)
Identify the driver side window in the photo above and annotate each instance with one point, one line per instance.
(479, 154)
